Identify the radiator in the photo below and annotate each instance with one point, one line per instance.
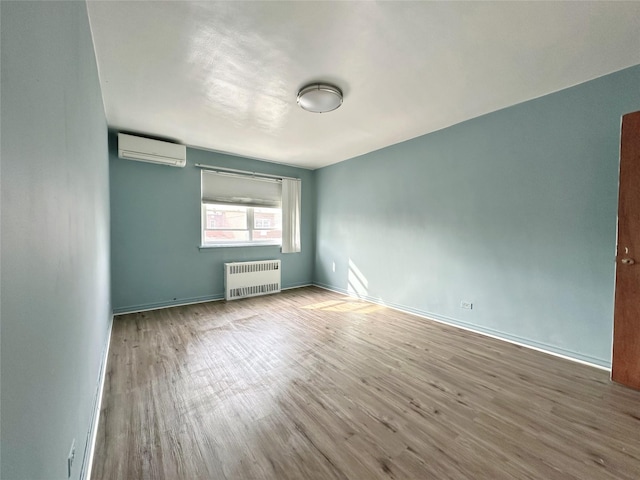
(249, 279)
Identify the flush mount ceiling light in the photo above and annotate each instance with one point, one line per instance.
(319, 98)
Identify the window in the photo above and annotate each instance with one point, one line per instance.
(240, 210)
(236, 224)
(263, 223)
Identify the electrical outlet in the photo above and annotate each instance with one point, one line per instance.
(71, 457)
(466, 305)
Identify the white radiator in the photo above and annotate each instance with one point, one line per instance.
(249, 279)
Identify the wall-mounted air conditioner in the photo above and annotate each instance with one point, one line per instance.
(153, 151)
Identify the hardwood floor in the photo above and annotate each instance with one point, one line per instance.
(309, 384)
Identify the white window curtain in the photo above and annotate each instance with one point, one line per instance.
(291, 199)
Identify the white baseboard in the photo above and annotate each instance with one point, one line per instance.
(183, 302)
(161, 305)
(451, 323)
(87, 464)
(297, 286)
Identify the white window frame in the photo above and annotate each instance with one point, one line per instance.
(264, 227)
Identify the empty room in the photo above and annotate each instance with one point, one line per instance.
(319, 240)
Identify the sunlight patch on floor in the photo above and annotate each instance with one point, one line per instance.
(344, 306)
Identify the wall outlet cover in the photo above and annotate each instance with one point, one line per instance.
(466, 305)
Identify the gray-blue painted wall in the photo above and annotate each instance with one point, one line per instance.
(155, 232)
(514, 211)
(55, 310)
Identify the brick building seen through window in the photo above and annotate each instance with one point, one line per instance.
(238, 224)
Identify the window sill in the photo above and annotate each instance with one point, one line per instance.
(208, 247)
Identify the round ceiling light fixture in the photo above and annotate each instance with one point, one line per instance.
(319, 98)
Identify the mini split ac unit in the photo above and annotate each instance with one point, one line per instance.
(153, 151)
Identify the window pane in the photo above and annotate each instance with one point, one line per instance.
(229, 224)
(226, 217)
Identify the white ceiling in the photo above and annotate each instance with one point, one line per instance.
(224, 75)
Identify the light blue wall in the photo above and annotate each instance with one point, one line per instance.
(514, 211)
(155, 232)
(55, 310)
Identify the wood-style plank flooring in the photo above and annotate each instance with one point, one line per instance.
(309, 384)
